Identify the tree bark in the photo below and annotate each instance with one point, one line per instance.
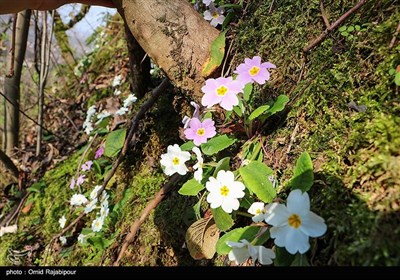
(12, 83)
(174, 35)
(139, 65)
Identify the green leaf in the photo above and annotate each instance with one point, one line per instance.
(279, 104)
(350, 29)
(216, 144)
(207, 115)
(99, 242)
(223, 164)
(397, 79)
(248, 88)
(114, 142)
(300, 260)
(342, 28)
(345, 34)
(392, 71)
(191, 187)
(228, 19)
(222, 219)
(248, 233)
(237, 110)
(36, 187)
(260, 110)
(357, 27)
(187, 146)
(96, 167)
(216, 55)
(255, 176)
(233, 6)
(283, 257)
(303, 177)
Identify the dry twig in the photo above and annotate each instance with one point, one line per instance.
(344, 17)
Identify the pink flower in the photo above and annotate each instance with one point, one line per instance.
(80, 180)
(87, 165)
(199, 131)
(72, 184)
(252, 70)
(99, 152)
(214, 15)
(196, 114)
(222, 91)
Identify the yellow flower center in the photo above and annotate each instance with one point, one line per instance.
(215, 15)
(224, 191)
(258, 211)
(294, 221)
(222, 90)
(254, 70)
(175, 161)
(98, 224)
(201, 131)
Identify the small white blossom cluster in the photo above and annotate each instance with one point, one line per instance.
(88, 125)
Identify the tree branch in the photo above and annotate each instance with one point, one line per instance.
(324, 16)
(344, 17)
(394, 36)
(146, 211)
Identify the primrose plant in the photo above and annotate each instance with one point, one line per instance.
(248, 189)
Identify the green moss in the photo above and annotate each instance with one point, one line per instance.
(355, 153)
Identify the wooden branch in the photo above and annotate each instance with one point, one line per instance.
(8, 163)
(324, 16)
(146, 212)
(394, 36)
(344, 17)
(127, 144)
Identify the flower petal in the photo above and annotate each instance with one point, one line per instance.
(228, 101)
(279, 233)
(277, 214)
(298, 202)
(238, 255)
(265, 255)
(214, 199)
(313, 225)
(230, 204)
(268, 65)
(296, 241)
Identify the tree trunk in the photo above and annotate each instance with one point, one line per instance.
(174, 35)
(12, 83)
(139, 65)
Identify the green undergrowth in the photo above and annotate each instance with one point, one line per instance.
(356, 153)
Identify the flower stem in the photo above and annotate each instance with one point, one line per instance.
(244, 214)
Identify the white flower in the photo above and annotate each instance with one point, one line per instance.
(95, 191)
(243, 250)
(62, 221)
(104, 196)
(91, 111)
(88, 127)
(104, 211)
(215, 16)
(224, 191)
(129, 100)
(198, 174)
(63, 240)
(258, 210)
(174, 160)
(97, 224)
(117, 92)
(100, 116)
(117, 81)
(122, 111)
(78, 200)
(92, 204)
(8, 229)
(292, 225)
(207, 2)
(81, 238)
(186, 121)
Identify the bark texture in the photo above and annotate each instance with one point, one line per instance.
(174, 35)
